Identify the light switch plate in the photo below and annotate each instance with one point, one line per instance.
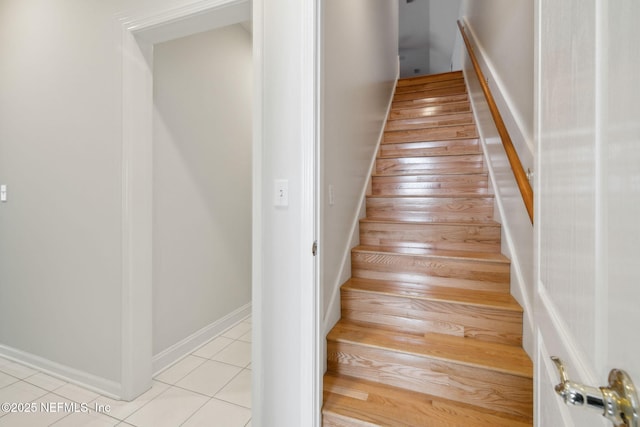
(3, 193)
(281, 194)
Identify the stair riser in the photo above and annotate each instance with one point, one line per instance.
(430, 209)
(426, 86)
(468, 384)
(330, 419)
(431, 236)
(445, 91)
(469, 163)
(431, 134)
(399, 409)
(409, 315)
(411, 111)
(435, 100)
(429, 122)
(430, 148)
(430, 78)
(426, 189)
(472, 274)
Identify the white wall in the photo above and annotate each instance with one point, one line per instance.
(501, 33)
(201, 181)
(503, 30)
(61, 154)
(427, 35)
(286, 382)
(359, 70)
(60, 245)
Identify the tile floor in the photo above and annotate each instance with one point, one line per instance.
(211, 388)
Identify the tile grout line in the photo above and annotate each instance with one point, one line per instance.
(247, 321)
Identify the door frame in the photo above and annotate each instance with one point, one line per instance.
(136, 33)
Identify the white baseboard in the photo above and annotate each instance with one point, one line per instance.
(103, 386)
(113, 389)
(183, 348)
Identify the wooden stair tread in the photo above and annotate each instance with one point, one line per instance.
(474, 236)
(452, 126)
(466, 152)
(432, 100)
(430, 80)
(501, 358)
(436, 113)
(441, 207)
(384, 405)
(408, 81)
(435, 253)
(486, 223)
(459, 195)
(421, 87)
(433, 109)
(434, 173)
(437, 92)
(477, 298)
(429, 335)
(429, 148)
(431, 173)
(475, 156)
(453, 87)
(427, 191)
(431, 134)
(429, 122)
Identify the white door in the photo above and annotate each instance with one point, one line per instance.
(587, 198)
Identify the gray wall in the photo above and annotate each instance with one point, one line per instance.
(504, 32)
(427, 35)
(359, 69)
(501, 33)
(60, 231)
(202, 181)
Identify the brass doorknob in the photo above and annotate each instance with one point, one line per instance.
(617, 402)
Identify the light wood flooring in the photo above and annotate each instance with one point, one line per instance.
(429, 334)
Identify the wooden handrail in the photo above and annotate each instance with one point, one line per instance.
(512, 154)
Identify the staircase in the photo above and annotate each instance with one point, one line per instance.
(429, 334)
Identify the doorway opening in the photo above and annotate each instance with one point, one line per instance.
(140, 35)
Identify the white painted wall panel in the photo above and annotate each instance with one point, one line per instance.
(202, 181)
(359, 69)
(286, 386)
(60, 247)
(621, 136)
(504, 30)
(567, 188)
(517, 230)
(61, 136)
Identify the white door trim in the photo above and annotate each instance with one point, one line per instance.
(137, 35)
(138, 32)
(310, 296)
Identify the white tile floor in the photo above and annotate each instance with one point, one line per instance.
(211, 387)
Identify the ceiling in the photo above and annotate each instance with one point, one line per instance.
(427, 32)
